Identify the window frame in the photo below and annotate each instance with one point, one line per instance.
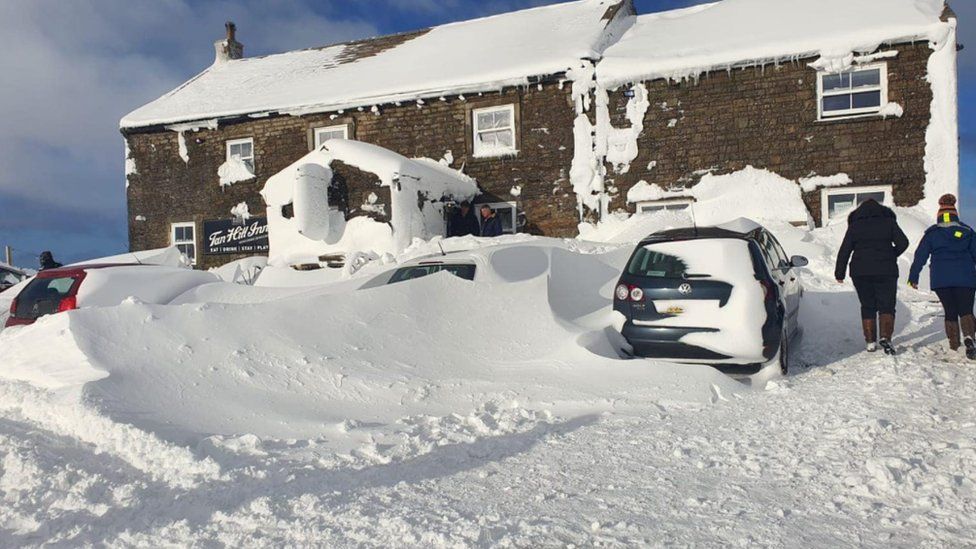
(316, 142)
(639, 206)
(826, 193)
(253, 158)
(475, 131)
(853, 113)
(513, 206)
(174, 242)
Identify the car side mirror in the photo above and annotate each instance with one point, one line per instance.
(799, 261)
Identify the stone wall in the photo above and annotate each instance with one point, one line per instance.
(166, 190)
(767, 117)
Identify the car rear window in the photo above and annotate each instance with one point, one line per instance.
(655, 264)
(465, 271)
(42, 296)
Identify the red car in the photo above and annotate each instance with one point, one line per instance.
(68, 288)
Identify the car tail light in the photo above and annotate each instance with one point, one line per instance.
(769, 294)
(13, 307)
(622, 292)
(69, 303)
(636, 294)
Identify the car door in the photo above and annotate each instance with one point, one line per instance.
(790, 282)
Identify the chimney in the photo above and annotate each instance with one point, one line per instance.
(228, 48)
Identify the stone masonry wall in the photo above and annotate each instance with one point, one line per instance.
(767, 117)
(167, 190)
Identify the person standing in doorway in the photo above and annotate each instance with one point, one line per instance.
(463, 222)
(951, 245)
(491, 224)
(875, 241)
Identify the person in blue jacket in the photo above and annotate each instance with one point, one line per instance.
(951, 245)
(491, 224)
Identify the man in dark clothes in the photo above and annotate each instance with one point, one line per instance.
(875, 240)
(491, 224)
(463, 222)
(48, 262)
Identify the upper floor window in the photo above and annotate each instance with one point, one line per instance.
(494, 131)
(330, 132)
(183, 236)
(242, 149)
(860, 91)
(839, 201)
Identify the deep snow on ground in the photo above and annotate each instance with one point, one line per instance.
(441, 412)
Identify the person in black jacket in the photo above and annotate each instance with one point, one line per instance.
(463, 221)
(875, 240)
(47, 261)
(491, 224)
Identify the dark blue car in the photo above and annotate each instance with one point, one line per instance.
(724, 296)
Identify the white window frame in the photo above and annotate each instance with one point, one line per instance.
(175, 242)
(826, 193)
(664, 203)
(495, 206)
(476, 131)
(853, 113)
(251, 159)
(344, 128)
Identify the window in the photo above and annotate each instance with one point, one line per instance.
(494, 131)
(185, 240)
(859, 91)
(649, 263)
(242, 149)
(678, 205)
(461, 270)
(839, 201)
(506, 212)
(331, 132)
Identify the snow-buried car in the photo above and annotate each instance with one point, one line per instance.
(728, 296)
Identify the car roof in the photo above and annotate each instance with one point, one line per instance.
(699, 233)
(439, 261)
(61, 271)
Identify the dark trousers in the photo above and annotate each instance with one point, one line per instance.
(957, 302)
(877, 295)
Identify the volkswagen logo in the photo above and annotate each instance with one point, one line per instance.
(685, 289)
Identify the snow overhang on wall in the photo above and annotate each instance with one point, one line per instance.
(479, 55)
(683, 44)
(418, 189)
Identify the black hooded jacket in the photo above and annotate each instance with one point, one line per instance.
(47, 261)
(875, 239)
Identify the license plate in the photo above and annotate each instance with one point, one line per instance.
(675, 311)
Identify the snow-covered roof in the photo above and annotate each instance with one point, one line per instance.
(465, 57)
(685, 43)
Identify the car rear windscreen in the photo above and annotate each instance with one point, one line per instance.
(654, 264)
(465, 271)
(42, 296)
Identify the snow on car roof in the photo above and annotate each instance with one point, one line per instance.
(477, 55)
(685, 43)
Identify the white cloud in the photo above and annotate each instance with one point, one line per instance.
(73, 69)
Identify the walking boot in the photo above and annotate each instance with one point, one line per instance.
(870, 327)
(952, 331)
(969, 335)
(886, 324)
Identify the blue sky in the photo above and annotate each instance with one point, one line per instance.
(72, 69)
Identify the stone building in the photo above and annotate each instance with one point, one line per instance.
(559, 112)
